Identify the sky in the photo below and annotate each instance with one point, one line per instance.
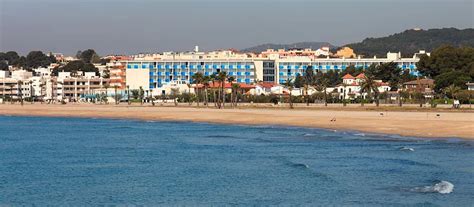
(134, 26)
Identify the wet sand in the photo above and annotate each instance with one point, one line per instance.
(409, 123)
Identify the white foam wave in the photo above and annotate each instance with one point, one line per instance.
(406, 149)
(443, 187)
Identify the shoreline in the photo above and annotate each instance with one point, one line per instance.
(410, 123)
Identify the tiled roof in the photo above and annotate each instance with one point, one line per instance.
(361, 76)
(348, 76)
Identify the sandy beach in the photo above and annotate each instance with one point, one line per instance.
(412, 123)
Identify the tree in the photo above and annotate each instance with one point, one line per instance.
(20, 94)
(321, 85)
(141, 94)
(231, 79)
(174, 95)
(3, 66)
(213, 78)
(36, 59)
(451, 91)
(299, 81)
(106, 74)
(206, 81)
(198, 79)
(11, 57)
(369, 85)
(309, 80)
(106, 86)
(74, 67)
(116, 95)
(290, 85)
(456, 78)
(235, 89)
(128, 94)
(448, 65)
(221, 77)
(344, 102)
(419, 97)
(89, 56)
(135, 94)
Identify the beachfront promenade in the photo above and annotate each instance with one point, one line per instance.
(409, 120)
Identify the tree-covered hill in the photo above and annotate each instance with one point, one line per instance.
(313, 45)
(411, 41)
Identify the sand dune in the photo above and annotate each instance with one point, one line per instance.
(421, 124)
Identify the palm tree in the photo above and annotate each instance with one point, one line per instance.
(140, 95)
(451, 91)
(309, 80)
(174, 95)
(231, 79)
(235, 88)
(20, 94)
(222, 77)
(115, 94)
(213, 79)
(11, 94)
(344, 94)
(198, 78)
(370, 86)
(128, 94)
(400, 91)
(150, 97)
(290, 85)
(365, 87)
(206, 80)
(321, 85)
(106, 86)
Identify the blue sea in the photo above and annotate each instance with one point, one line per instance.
(84, 162)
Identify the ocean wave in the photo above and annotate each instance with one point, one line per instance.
(360, 134)
(442, 187)
(407, 149)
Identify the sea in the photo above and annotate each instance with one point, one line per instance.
(113, 162)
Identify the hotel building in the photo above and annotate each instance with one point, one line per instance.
(172, 68)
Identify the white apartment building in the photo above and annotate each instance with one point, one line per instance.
(74, 88)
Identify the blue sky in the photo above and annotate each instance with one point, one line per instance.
(127, 27)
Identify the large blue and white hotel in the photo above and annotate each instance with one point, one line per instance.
(152, 74)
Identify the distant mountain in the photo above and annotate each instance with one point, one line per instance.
(411, 41)
(313, 45)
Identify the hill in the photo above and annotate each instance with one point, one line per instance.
(411, 41)
(263, 47)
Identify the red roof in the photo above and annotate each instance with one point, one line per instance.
(267, 85)
(348, 76)
(361, 76)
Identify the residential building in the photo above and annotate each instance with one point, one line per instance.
(351, 87)
(470, 86)
(75, 88)
(345, 52)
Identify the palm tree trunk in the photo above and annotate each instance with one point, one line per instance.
(197, 96)
(291, 101)
(377, 101)
(400, 99)
(206, 97)
(325, 98)
(223, 95)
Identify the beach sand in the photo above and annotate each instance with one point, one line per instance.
(412, 123)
